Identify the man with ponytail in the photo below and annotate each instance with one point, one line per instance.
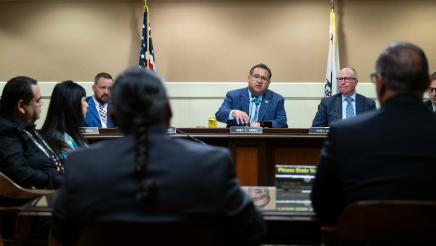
(148, 175)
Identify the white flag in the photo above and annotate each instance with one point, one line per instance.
(331, 86)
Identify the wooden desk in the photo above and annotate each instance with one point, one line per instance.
(254, 155)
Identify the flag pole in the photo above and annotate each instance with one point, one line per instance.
(147, 35)
(332, 4)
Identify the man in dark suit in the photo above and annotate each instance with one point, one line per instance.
(385, 154)
(431, 102)
(149, 176)
(255, 103)
(99, 104)
(346, 104)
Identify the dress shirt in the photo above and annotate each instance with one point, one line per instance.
(344, 105)
(103, 124)
(252, 107)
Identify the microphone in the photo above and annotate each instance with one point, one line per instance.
(189, 136)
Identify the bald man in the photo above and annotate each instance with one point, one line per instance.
(346, 104)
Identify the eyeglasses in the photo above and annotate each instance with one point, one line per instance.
(432, 89)
(374, 77)
(346, 79)
(257, 76)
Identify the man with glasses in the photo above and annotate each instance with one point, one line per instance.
(431, 103)
(346, 104)
(386, 154)
(252, 105)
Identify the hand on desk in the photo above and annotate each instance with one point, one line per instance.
(240, 117)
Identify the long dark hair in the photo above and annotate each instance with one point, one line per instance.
(139, 102)
(64, 115)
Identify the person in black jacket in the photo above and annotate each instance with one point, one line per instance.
(24, 155)
(387, 154)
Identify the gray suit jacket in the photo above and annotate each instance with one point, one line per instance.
(192, 179)
(330, 109)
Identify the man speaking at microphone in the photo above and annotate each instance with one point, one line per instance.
(255, 104)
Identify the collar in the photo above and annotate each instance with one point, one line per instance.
(252, 97)
(352, 96)
(19, 124)
(97, 102)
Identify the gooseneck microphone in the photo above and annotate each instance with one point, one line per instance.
(189, 136)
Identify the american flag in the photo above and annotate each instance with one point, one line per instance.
(146, 56)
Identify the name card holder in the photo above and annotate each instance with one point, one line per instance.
(89, 130)
(171, 130)
(245, 130)
(319, 130)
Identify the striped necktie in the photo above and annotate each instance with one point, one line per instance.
(102, 113)
(349, 110)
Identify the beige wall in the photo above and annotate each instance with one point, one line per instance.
(204, 40)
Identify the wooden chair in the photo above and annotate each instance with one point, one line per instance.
(384, 220)
(151, 233)
(10, 189)
(25, 216)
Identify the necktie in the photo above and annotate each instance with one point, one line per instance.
(102, 113)
(349, 110)
(254, 109)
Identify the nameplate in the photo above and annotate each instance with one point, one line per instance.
(319, 130)
(89, 130)
(171, 130)
(245, 130)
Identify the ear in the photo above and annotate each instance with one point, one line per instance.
(169, 114)
(20, 107)
(380, 89)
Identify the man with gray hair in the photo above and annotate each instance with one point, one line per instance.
(346, 104)
(387, 154)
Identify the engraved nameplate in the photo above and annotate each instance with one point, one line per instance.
(319, 130)
(89, 130)
(245, 130)
(171, 130)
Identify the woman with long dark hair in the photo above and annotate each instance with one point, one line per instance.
(65, 115)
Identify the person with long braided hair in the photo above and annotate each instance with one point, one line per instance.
(148, 175)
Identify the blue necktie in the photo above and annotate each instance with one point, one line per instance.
(349, 110)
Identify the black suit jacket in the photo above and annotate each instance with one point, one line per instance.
(330, 109)
(429, 105)
(193, 180)
(385, 154)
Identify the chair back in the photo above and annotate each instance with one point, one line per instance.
(150, 233)
(385, 220)
(10, 189)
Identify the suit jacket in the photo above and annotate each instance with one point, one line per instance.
(271, 109)
(192, 179)
(92, 118)
(330, 109)
(429, 105)
(384, 154)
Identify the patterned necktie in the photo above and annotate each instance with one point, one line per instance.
(255, 110)
(349, 111)
(102, 113)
